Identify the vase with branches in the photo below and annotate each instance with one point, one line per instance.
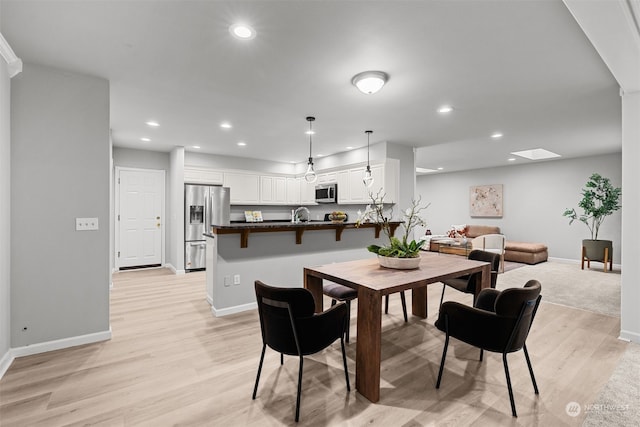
(405, 246)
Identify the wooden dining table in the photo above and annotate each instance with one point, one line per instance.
(372, 283)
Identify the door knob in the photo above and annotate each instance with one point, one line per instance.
(157, 217)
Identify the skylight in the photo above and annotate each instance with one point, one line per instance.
(536, 154)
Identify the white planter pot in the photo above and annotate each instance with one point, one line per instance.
(399, 263)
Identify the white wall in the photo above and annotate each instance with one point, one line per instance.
(59, 171)
(535, 196)
(175, 207)
(5, 224)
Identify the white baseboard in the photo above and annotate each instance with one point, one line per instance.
(630, 336)
(232, 310)
(577, 261)
(5, 362)
(174, 270)
(43, 347)
(210, 300)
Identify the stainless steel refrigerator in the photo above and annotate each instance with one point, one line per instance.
(204, 205)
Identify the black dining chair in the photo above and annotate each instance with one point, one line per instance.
(346, 294)
(290, 326)
(467, 283)
(498, 322)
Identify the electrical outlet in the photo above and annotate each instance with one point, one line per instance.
(227, 281)
(236, 279)
(86, 224)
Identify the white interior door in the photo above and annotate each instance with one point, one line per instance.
(139, 217)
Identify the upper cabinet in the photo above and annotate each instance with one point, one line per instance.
(351, 189)
(245, 188)
(195, 175)
(250, 188)
(273, 190)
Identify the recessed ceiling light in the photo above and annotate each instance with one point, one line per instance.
(145, 139)
(496, 135)
(310, 132)
(536, 154)
(440, 169)
(197, 147)
(511, 159)
(242, 144)
(225, 125)
(242, 31)
(153, 124)
(445, 109)
(320, 155)
(349, 148)
(424, 170)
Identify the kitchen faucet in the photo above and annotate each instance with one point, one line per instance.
(297, 217)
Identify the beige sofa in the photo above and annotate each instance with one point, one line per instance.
(524, 252)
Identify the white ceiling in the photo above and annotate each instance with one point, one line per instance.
(523, 68)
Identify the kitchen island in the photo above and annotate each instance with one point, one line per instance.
(276, 253)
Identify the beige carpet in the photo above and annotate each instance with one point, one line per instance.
(566, 284)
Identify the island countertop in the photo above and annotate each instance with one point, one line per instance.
(245, 228)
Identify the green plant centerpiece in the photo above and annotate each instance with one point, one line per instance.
(599, 200)
(398, 248)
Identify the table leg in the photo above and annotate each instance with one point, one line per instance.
(368, 346)
(419, 302)
(314, 285)
(483, 280)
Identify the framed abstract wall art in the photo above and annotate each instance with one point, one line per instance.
(485, 201)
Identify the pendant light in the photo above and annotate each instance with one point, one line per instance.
(310, 175)
(368, 178)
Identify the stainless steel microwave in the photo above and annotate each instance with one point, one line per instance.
(326, 193)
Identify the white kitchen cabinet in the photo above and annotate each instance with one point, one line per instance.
(307, 192)
(195, 175)
(344, 193)
(351, 189)
(273, 189)
(293, 191)
(327, 178)
(245, 188)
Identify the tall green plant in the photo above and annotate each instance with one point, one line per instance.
(599, 200)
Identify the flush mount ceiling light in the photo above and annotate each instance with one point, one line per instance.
(536, 154)
(225, 125)
(145, 139)
(445, 109)
(153, 124)
(310, 175)
(496, 135)
(242, 31)
(367, 180)
(369, 82)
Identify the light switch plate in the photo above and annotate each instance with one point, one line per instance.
(86, 224)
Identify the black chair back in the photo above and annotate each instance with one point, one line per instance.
(490, 257)
(519, 305)
(278, 308)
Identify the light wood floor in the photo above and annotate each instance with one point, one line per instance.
(170, 362)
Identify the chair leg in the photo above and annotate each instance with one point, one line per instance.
(533, 378)
(255, 388)
(481, 354)
(299, 390)
(444, 352)
(348, 320)
(333, 302)
(404, 306)
(442, 296)
(386, 304)
(506, 371)
(344, 361)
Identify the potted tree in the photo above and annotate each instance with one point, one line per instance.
(599, 200)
